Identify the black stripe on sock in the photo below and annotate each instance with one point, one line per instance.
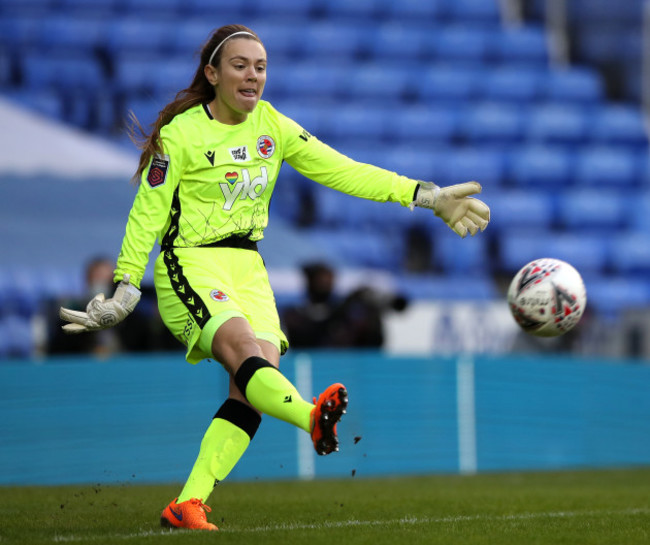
(247, 370)
(241, 415)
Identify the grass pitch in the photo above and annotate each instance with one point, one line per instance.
(585, 507)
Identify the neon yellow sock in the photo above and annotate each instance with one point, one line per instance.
(271, 393)
(222, 446)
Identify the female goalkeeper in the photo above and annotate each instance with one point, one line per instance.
(206, 175)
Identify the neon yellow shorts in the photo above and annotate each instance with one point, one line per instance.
(199, 289)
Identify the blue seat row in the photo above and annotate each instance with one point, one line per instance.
(473, 10)
(625, 253)
(284, 39)
(598, 211)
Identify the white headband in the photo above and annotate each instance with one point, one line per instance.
(226, 38)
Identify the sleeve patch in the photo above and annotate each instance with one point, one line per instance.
(158, 170)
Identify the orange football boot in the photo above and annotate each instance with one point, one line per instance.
(189, 514)
(329, 409)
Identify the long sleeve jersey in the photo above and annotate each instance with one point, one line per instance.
(215, 180)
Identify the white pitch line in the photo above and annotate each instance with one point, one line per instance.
(364, 523)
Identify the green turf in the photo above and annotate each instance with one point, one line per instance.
(586, 507)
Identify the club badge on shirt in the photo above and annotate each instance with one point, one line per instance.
(219, 296)
(265, 146)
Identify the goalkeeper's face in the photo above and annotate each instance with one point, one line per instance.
(239, 79)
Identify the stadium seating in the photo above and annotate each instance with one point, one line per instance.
(513, 83)
(463, 42)
(80, 72)
(492, 123)
(558, 123)
(587, 252)
(619, 125)
(521, 45)
(607, 166)
(546, 167)
(591, 209)
(630, 253)
(450, 83)
(436, 90)
(575, 84)
(517, 209)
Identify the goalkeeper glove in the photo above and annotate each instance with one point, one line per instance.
(454, 206)
(101, 313)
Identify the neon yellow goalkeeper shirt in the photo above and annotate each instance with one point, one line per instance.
(215, 180)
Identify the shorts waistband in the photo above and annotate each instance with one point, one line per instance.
(232, 241)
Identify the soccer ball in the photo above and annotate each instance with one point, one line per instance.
(547, 297)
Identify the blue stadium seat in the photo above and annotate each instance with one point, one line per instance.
(161, 8)
(377, 82)
(418, 162)
(62, 34)
(523, 45)
(132, 75)
(171, 76)
(333, 41)
(360, 9)
(46, 102)
(400, 40)
(591, 209)
(558, 123)
(66, 72)
(282, 40)
(332, 207)
(416, 10)
(423, 123)
(516, 209)
(619, 124)
(492, 123)
(357, 248)
(447, 288)
(299, 80)
(311, 116)
(486, 165)
(352, 123)
(581, 85)
(190, 36)
(513, 83)
(630, 253)
(467, 257)
(147, 37)
(145, 109)
(461, 42)
(609, 296)
(639, 210)
(478, 11)
(37, 8)
(544, 167)
(607, 166)
(336, 209)
(95, 8)
(18, 34)
(587, 252)
(449, 83)
(300, 10)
